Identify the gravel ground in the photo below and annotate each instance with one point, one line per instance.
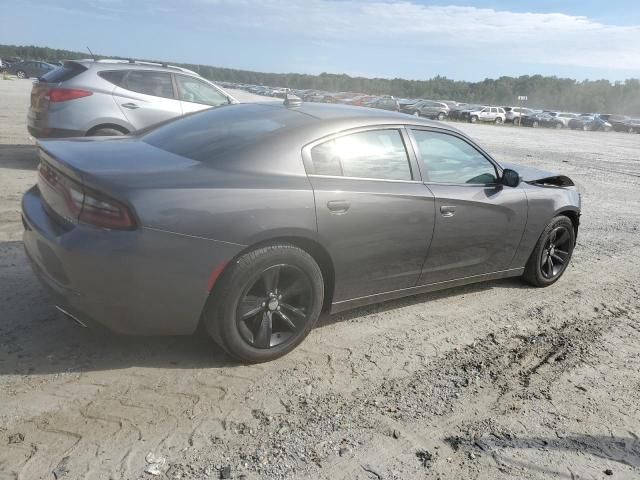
(489, 381)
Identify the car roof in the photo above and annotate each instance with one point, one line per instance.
(109, 64)
(329, 112)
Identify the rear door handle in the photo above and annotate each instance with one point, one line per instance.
(132, 106)
(447, 210)
(338, 206)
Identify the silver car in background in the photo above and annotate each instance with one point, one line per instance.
(116, 97)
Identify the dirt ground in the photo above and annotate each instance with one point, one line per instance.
(490, 381)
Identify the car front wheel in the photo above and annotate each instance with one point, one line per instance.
(21, 74)
(498, 120)
(266, 303)
(473, 119)
(552, 253)
(441, 116)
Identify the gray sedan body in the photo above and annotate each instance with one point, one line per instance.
(207, 188)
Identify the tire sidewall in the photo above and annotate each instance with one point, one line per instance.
(536, 256)
(245, 270)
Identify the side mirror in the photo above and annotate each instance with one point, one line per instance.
(510, 178)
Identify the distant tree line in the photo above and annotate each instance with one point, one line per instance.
(543, 92)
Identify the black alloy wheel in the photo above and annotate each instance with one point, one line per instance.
(275, 307)
(555, 254)
(552, 253)
(265, 302)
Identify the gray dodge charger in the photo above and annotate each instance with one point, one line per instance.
(252, 219)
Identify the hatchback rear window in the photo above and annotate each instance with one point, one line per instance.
(64, 73)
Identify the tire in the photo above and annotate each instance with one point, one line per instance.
(254, 326)
(559, 126)
(535, 124)
(585, 128)
(21, 74)
(473, 119)
(498, 120)
(106, 132)
(537, 271)
(441, 116)
(516, 121)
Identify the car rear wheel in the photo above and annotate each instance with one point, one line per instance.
(21, 74)
(552, 253)
(441, 116)
(266, 304)
(106, 132)
(498, 120)
(559, 125)
(516, 121)
(535, 124)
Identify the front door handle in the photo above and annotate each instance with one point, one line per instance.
(447, 210)
(132, 106)
(338, 206)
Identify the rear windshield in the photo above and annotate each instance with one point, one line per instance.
(64, 73)
(206, 135)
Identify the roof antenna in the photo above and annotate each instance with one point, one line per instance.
(92, 55)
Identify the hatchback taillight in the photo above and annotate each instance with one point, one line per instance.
(66, 94)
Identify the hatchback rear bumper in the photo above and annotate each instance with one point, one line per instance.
(141, 282)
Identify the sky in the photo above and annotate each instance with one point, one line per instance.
(413, 39)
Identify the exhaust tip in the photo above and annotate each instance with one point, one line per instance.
(68, 315)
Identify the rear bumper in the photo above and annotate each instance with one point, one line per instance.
(141, 282)
(39, 132)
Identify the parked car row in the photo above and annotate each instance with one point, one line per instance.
(465, 112)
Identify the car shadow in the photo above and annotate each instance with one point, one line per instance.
(36, 339)
(507, 283)
(19, 157)
(622, 450)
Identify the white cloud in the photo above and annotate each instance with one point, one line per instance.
(535, 38)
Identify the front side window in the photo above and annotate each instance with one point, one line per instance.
(449, 159)
(157, 84)
(378, 154)
(197, 91)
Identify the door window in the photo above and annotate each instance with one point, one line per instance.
(157, 84)
(449, 159)
(376, 154)
(196, 91)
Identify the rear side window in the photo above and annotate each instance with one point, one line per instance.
(64, 73)
(157, 84)
(378, 154)
(115, 76)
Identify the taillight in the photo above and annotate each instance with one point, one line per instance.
(101, 211)
(85, 205)
(66, 94)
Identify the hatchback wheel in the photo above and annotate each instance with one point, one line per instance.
(266, 303)
(441, 116)
(552, 253)
(21, 74)
(106, 132)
